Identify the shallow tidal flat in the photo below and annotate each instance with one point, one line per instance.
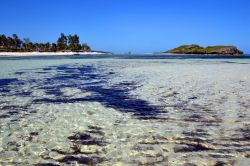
(125, 112)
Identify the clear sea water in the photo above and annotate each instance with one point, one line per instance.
(125, 110)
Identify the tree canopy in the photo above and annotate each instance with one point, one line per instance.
(64, 43)
(74, 43)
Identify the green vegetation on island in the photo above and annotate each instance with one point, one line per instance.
(196, 49)
(64, 43)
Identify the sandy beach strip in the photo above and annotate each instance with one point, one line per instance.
(21, 54)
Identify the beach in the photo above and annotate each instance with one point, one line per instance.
(121, 111)
(22, 54)
(125, 83)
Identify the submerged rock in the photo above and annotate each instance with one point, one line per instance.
(80, 136)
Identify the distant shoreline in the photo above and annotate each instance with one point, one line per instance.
(61, 53)
(21, 54)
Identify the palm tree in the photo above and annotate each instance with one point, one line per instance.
(53, 47)
(17, 41)
(1, 41)
(74, 43)
(11, 43)
(85, 47)
(4, 41)
(28, 45)
(62, 42)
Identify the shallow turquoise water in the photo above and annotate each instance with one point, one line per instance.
(125, 110)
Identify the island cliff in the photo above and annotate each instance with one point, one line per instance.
(196, 49)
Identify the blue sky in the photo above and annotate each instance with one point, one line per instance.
(131, 25)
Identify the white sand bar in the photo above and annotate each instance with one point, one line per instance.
(47, 53)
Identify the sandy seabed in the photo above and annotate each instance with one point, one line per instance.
(125, 112)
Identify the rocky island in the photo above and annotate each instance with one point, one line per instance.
(196, 49)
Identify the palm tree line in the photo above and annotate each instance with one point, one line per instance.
(64, 43)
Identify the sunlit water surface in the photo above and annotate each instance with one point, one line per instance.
(124, 110)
